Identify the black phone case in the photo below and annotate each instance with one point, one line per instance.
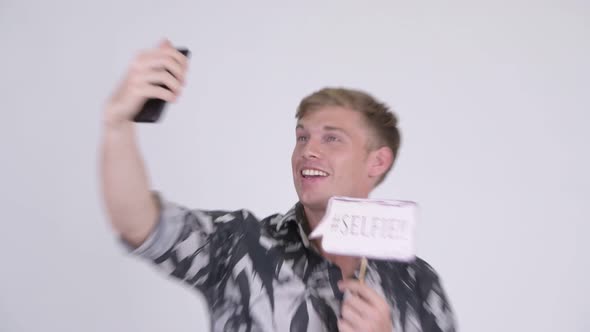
(153, 108)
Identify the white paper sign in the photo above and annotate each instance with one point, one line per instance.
(380, 229)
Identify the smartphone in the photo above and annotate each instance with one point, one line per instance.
(153, 108)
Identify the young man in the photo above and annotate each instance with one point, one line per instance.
(266, 275)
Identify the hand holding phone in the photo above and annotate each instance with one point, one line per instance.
(154, 77)
(153, 108)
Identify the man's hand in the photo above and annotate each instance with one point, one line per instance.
(363, 309)
(163, 65)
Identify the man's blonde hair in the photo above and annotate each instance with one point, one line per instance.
(379, 118)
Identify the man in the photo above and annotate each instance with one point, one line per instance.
(266, 275)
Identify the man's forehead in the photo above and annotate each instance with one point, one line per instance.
(331, 119)
(329, 116)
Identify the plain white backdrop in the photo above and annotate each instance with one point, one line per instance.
(493, 99)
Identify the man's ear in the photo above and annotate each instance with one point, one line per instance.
(380, 160)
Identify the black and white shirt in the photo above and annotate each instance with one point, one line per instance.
(263, 275)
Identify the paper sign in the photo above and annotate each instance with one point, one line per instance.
(380, 229)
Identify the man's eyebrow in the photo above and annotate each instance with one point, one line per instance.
(332, 128)
(327, 128)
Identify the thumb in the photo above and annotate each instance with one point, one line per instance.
(165, 43)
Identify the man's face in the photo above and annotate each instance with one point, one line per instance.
(330, 157)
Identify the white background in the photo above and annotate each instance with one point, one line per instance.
(493, 99)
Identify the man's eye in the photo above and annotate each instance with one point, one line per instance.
(331, 138)
(301, 138)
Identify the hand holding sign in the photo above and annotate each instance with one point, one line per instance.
(380, 229)
(364, 309)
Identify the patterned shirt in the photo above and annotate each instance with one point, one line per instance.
(263, 275)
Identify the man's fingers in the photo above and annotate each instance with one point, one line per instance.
(162, 62)
(164, 78)
(179, 57)
(364, 308)
(153, 91)
(344, 326)
(364, 291)
(350, 314)
(175, 54)
(358, 305)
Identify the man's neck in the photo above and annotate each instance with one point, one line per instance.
(314, 216)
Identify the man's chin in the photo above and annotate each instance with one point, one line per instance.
(314, 203)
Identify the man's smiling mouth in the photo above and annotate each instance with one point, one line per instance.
(313, 173)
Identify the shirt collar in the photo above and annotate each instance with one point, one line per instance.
(296, 215)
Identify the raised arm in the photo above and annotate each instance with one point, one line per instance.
(130, 205)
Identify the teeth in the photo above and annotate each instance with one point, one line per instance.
(313, 172)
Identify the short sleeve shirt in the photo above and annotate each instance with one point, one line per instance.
(263, 274)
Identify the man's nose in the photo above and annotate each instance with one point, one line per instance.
(312, 149)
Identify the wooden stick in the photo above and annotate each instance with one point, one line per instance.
(363, 270)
